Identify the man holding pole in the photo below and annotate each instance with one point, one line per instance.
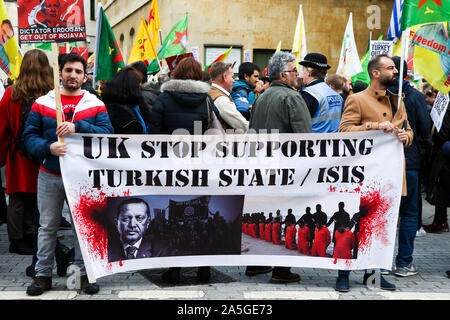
(376, 108)
(81, 112)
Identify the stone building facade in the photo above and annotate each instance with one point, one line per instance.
(255, 25)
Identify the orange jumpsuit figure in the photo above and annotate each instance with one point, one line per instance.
(322, 239)
(345, 242)
(290, 238)
(244, 227)
(261, 231)
(276, 233)
(268, 232)
(304, 235)
(252, 230)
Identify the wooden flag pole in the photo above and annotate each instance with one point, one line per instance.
(56, 84)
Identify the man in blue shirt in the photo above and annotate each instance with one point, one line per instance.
(243, 92)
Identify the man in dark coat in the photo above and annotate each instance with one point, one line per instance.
(281, 108)
(420, 123)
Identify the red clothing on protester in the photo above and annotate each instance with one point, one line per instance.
(21, 173)
(261, 231)
(345, 242)
(276, 233)
(268, 232)
(304, 235)
(322, 239)
(290, 238)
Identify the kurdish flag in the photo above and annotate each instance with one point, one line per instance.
(153, 23)
(10, 55)
(108, 58)
(176, 40)
(222, 58)
(143, 48)
(175, 43)
(424, 11)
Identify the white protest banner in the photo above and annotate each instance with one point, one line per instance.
(200, 200)
(196, 54)
(378, 47)
(247, 55)
(439, 109)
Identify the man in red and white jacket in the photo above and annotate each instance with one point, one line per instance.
(83, 112)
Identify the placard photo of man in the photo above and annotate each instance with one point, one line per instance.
(131, 242)
(6, 33)
(173, 225)
(53, 13)
(46, 14)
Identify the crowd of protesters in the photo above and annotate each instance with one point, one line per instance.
(283, 99)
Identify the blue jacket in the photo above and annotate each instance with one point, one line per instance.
(327, 117)
(420, 121)
(40, 131)
(242, 95)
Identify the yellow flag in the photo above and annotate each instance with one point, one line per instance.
(143, 48)
(430, 64)
(278, 47)
(153, 23)
(299, 44)
(10, 55)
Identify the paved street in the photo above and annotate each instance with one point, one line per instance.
(431, 256)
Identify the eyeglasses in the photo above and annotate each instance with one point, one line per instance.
(293, 70)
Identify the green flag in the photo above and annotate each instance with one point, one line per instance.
(364, 75)
(174, 43)
(48, 45)
(108, 58)
(416, 12)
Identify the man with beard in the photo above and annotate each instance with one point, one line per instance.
(376, 108)
(82, 113)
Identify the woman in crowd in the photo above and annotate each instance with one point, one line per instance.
(35, 80)
(123, 99)
(183, 100)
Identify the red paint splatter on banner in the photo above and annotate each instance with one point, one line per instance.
(374, 206)
(91, 218)
(373, 224)
(87, 213)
